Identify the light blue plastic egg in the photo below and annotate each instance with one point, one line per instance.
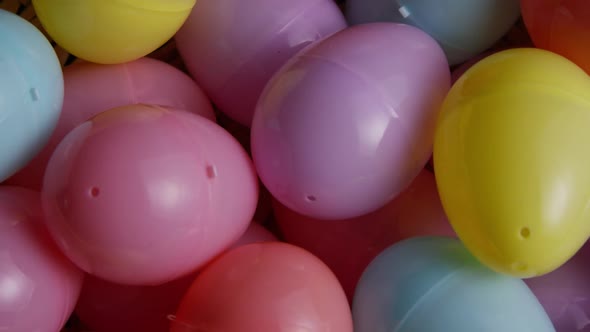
(464, 28)
(432, 284)
(31, 92)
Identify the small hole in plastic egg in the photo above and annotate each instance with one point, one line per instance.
(211, 171)
(94, 192)
(525, 232)
(519, 267)
(34, 94)
(311, 198)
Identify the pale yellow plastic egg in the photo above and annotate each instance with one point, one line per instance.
(112, 31)
(512, 160)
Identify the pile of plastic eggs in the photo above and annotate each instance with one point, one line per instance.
(294, 165)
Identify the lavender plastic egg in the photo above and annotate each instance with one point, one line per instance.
(233, 47)
(347, 124)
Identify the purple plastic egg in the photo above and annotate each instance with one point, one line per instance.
(39, 287)
(233, 47)
(347, 124)
(143, 195)
(565, 293)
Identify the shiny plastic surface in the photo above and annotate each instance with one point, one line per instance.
(434, 284)
(565, 293)
(92, 88)
(39, 287)
(141, 195)
(31, 92)
(510, 163)
(266, 287)
(562, 27)
(108, 307)
(463, 28)
(348, 246)
(347, 124)
(112, 31)
(233, 47)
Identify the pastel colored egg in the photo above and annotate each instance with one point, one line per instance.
(347, 124)
(92, 88)
(112, 31)
(108, 307)
(348, 246)
(140, 194)
(510, 163)
(31, 92)
(561, 27)
(233, 47)
(264, 287)
(39, 287)
(434, 284)
(463, 28)
(565, 293)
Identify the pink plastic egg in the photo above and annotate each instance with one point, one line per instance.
(233, 47)
(144, 195)
(565, 293)
(39, 287)
(266, 287)
(108, 307)
(348, 246)
(348, 123)
(91, 88)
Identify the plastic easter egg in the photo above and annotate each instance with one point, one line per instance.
(31, 92)
(112, 31)
(565, 293)
(108, 307)
(463, 28)
(561, 27)
(348, 246)
(140, 194)
(233, 47)
(93, 88)
(434, 284)
(347, 124)
(39, 287)
(265, 287)
(509, 160)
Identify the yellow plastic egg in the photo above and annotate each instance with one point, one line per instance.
(512, 160)
(112, 31)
